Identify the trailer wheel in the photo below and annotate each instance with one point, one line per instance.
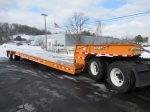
(15, 57)
(121, 77)
(97, 68)
(9, 55)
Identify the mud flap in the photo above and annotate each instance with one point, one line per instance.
(142, 73)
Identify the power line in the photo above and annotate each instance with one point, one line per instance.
(127, 16)
(122, 17)
(119, 18)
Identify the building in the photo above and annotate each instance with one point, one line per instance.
(65, 40)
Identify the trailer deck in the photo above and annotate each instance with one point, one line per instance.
(61, 62)
(50, 56)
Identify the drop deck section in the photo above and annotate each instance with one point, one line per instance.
(54, 60)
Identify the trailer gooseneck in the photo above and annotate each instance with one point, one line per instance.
(120, 63)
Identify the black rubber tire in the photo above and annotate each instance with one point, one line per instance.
(128, 74)
(15, 57)
(18, 57)
(9, 55)
(101, 68)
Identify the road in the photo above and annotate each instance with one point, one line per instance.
(26, 86)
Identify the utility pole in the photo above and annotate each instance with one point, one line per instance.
(98, 32)
(45, 29)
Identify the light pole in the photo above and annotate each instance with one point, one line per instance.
(45, 28)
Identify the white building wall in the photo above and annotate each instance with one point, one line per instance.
(52, 39)
(37, 37)
(59, 38)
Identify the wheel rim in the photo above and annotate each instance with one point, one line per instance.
(8, 55)
(94, 68)
(13, 56)
(117, 77)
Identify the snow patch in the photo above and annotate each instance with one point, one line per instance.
(25, 107)
(24, 71)
(49, 74)
(61, 77)
(78, 88)
(38, 52)
(52, 93)
(102, 95)
(101, 87)
(3, 50)
(45, 76)
(146, 54)
(70, 78)
(85, 79)
(93, 97)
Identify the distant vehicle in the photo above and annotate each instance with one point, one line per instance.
(19, 44)
(145, 45)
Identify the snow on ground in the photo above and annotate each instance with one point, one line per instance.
(72, 55)
(146, 54)
(12, 46)
(3, 50)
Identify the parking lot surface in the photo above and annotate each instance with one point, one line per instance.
(26, 86)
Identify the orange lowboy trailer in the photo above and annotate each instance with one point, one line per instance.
(120, 63)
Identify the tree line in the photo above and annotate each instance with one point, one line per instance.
(7, 30)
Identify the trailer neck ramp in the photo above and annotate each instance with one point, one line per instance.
(106, 50)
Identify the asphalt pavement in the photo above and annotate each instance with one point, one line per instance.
(26, 86)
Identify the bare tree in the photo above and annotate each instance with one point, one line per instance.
(75, 25)
(4, 31)
(127, 38)
(1, 31)
(40, 41)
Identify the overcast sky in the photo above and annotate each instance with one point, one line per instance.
(28, 12)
